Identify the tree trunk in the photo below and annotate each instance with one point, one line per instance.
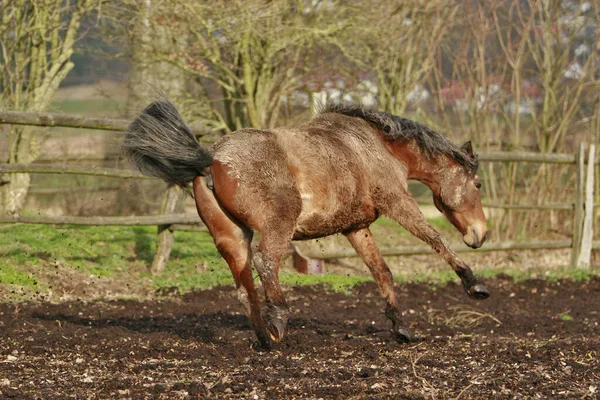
(23, 149)
(36, 61)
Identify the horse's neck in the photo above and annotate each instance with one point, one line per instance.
(420, 166)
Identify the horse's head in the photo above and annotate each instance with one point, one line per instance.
(457, 197)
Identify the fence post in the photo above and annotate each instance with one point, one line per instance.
(165, 238)
(305, 264)
(579, 199)
(585, 254)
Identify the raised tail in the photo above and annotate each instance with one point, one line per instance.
(160, 145)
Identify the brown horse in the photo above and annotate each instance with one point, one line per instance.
(337, 173)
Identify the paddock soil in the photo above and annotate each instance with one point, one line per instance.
(530, 339)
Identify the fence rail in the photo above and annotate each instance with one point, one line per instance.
(165, 219)
(167, 222)
(487, 204)
(527, 157)
(74, 121)
(70, 170)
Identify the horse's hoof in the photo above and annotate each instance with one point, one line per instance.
(402, 336)
(276, 330)
(478, 292)
(264, 341)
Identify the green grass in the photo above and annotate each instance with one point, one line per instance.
(111, 251)
(13, 276)
(194, 263)
(99, 250)
(106, 252)
(338, 283)
(125, 253)
(440, 223)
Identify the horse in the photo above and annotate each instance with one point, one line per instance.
(336, 173)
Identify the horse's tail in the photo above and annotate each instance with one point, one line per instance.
(160, 145)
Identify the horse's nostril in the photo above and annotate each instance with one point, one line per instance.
(486, 236)
(476, 238)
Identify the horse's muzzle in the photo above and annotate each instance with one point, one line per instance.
(476, 237)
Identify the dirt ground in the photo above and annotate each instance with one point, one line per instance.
(530, 339)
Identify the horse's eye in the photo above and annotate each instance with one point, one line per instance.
(478, 185)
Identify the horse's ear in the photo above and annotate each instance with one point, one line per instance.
(468, 148)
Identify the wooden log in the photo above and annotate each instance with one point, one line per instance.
(52, 191)
(557, 206)
(579, 199)
(527, 156)
(64, 120)
(71, 169)
(74, 121)
(484, 156)
(169, 219)
(585, 254)
(199, 227)
(165, 238)
(417, 250)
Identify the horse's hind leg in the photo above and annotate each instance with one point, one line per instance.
(234, 244)
(276, 227)
(273, 244)
(363, 242)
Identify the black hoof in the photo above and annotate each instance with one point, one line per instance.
(402, 336)
(276, 330)
(264, 342)
(261, 346)
(478, 292)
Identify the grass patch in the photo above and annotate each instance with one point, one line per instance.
(440, 223)
(384, 221)
(195, 263)
(12, 276)
(338, 283)
(184, 279)
(109, 252)
(124, 254)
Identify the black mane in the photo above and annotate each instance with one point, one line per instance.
(403, 129)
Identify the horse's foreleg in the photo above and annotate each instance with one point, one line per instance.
(363, 242)
(407, 213)
(234, 244)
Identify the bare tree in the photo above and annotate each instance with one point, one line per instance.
(564, 73)
(527, 77)
(248, 57)
(403, 38)
(150, 32)
(36, 40)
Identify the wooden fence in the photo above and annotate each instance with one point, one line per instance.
(582, 206)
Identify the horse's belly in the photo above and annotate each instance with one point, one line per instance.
(318, 221)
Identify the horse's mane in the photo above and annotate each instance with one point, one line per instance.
(403, 129)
